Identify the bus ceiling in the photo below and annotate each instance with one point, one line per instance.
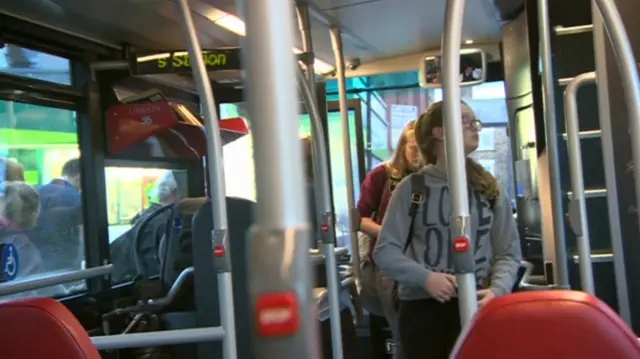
(382, 44)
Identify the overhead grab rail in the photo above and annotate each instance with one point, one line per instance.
(463, 261)
(628, 69)
(8, 288)
(279, 274)
(577, 205)
(216, 187)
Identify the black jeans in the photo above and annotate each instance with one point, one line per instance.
(428, 328)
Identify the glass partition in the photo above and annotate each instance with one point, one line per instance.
(41, 221)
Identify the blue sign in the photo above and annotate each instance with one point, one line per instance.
(10, 262)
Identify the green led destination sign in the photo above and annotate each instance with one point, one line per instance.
(180, 61)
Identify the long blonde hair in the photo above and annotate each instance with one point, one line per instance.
(478, 178)
(399, 165)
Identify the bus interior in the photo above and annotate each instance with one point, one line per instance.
(168, 128)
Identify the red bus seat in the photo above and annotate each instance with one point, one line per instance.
(42, 328)
(547, 324)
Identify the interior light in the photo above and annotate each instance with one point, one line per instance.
(236, 25)
(468, 42)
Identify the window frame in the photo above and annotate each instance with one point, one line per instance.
(75, 97)
(47, 94)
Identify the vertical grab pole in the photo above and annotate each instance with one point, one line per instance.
(577, 204)
(328, 233)
(306, 84)
(629, 76)
(604, 115)
(354, 216)
(279, 270)
(463, 261)
(216, 180)
(551, 137)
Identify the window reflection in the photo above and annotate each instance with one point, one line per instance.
(24, 62)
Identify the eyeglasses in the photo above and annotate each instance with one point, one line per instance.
(472, 122)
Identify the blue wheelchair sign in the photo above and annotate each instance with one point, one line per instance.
(10, 262)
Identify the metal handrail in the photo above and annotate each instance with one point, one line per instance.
(174, 290)
(463, 263)
(629, 78)
(215, 166)
(551, 138)
(8, 288)
(577, 184)
(161, 338)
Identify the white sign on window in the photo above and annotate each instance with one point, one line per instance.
(400, 116)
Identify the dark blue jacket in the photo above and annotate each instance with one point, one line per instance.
(56, 232)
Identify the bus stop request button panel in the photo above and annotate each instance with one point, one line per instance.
(277, 314)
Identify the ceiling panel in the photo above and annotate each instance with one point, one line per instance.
(380, 28)
(398, 27)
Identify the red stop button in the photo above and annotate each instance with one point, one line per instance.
(324, 228)
(218, 251)
(277, 314)
(461, 245)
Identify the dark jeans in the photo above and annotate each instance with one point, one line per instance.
(428, 328)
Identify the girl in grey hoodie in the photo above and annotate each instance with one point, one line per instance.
(428, 319)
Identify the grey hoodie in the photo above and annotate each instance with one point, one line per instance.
(494, 238)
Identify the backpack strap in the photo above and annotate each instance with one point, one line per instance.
(417, 198)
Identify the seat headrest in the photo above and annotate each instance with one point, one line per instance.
(547, 324)
(42, 328)
(189, 206)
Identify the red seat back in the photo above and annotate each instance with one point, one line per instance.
(548, 324)
(42, 328)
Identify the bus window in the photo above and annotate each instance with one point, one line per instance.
(132, 195)
(338, 174)
(24, 62)
(240, 174)
(487, 100)
(41, 202)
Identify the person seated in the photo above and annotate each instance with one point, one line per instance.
(19, 208)
(123, 249)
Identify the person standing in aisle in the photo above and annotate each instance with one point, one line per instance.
(416, 253)
(375, 193)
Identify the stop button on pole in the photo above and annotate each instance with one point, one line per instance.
(277, 314)
(461, 245)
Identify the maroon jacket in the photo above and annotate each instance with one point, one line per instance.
(371, 203)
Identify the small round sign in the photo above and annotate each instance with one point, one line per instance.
(10, 262)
